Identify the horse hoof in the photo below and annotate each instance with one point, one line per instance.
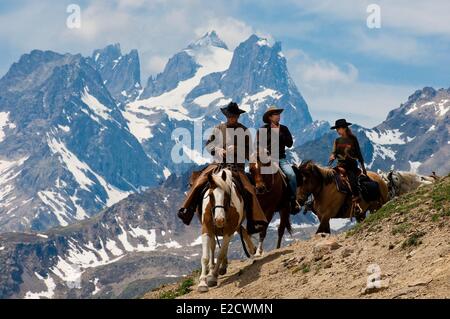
(222, 271)
(202, 289)
(212, 282)
(259, 253)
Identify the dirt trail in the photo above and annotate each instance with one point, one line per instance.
(403, 251)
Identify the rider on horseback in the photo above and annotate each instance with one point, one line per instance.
(230, 145)
(276, 130)
(347, 151)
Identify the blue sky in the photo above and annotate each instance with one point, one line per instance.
(343, 68)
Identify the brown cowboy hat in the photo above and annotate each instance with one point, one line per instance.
(340, 123)
(232, 109)
(270, 111)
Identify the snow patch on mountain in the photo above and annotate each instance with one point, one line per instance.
(207, 99)
(80, 171)
(5, 123)
(210, 59)
(48, 294)
(387, 137)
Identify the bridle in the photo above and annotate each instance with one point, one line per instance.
(309, 193)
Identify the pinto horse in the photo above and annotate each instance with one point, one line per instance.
(272, 193)
(222, 215)
(318, 181)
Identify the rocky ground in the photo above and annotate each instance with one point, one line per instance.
(402, 251)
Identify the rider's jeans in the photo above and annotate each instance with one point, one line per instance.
(286, 167)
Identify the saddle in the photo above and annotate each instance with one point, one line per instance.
(368, 188)
(341, 180)
(237, 181)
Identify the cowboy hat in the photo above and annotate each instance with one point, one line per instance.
(340, 123)
(270, 111)
(232, 109)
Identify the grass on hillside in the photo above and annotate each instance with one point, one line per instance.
(438, 193)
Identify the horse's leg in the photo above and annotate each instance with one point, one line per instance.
(324, 226)
(262, 236)
(212, 247)
(248, 241)
(224, 263)
(212, 277)
(203, 285)
(284, 215)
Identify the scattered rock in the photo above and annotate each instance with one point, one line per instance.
(292, 262)
(346, 252)
(410, 254)
(404, 292)
(324, 247)
(421, 282)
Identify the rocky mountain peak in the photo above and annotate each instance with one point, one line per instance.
(208, 39)
(121, 73)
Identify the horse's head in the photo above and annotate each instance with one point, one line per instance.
(219, 194)
(393, 183)
(255, 170)
(309, 179)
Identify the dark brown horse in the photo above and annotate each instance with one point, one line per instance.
(318, 181)
(273, 197)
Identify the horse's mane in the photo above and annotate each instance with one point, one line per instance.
(225, 185)
(327, 174)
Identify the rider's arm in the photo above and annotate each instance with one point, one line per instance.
(287, 137)
(333, 152)
(212, 143)
(360, 156)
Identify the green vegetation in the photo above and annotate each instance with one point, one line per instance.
(435, 196)
(413, 240)
(183, 289)
(400, 229)
(304, 268)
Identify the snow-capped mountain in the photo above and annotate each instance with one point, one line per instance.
(79, 134)
(104, 253)
(414, 137)
(205, 76)
(65, 148)
(121, 74)
(127, 249)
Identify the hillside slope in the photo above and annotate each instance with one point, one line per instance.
(405, 247)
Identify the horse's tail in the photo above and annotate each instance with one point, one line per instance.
(289, 225)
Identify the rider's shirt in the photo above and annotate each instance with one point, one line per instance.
(283, 136)
(347, 149)
(224, 136)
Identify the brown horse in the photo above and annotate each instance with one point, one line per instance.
(273, 197)
(328, 201)
(222, 215)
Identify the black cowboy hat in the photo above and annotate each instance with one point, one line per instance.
(340, 123)
(271, 110)
(232, 109)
